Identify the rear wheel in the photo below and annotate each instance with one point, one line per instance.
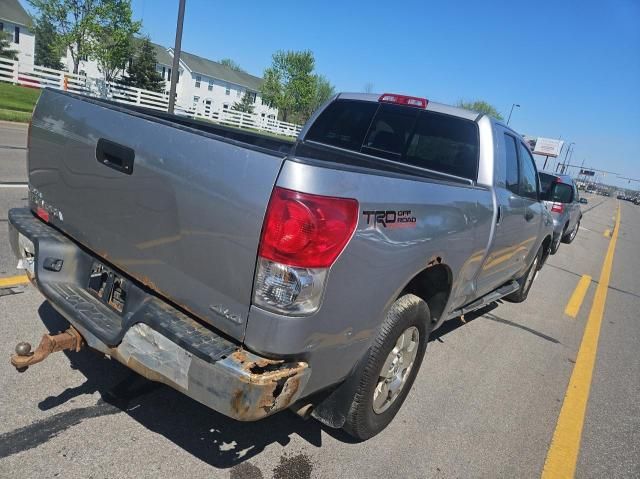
(571, 236)
(556, 244)
(526, 281)
(391, 367)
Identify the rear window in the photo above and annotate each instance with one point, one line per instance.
(552, 191)
(390, 131)
(435, 141)
(343, 124)
(444, 143)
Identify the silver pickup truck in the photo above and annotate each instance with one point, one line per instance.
(255, 274)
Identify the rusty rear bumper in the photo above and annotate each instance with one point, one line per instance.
(154, 338)
(241, 385)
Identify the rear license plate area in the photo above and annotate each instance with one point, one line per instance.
(108, 286)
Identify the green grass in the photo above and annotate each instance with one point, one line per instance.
(17, 116)
(18, 98)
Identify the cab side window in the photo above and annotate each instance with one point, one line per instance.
(528, 174)
(512, 169)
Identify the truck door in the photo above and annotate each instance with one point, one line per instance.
(504, 259)
(529, 191)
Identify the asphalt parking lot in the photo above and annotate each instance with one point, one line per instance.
(486, 403)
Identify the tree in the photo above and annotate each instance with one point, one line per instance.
(323, 91)
(246, 104)
(229, 63)
(47, 50)
(113, 37)
(289, 84)
(90, 28)
(141, 72)
(5, 47)
(74, 21)
(481, 106)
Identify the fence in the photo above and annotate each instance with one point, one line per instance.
(240, 119)
(35, 76)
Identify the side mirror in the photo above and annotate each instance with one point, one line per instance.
(583, 201)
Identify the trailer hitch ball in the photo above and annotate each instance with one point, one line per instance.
(67, 340)
(23, 349)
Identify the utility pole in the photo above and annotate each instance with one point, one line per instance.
(176, 57)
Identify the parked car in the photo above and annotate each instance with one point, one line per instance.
(255, 276)
(562, 198)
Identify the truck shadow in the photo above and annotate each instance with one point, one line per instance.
(211, 437)
(455, 323)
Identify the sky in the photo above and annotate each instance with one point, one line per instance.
(572, 66)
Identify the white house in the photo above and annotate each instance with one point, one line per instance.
(208, 86)
(203, 85)
(15, 21)
(87, 68)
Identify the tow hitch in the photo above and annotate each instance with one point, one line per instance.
(24, 357)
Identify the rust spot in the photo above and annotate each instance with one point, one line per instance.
(239, 356)
(147, 282)
(238, 405)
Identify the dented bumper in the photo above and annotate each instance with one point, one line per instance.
(152, 337)
(241, 385)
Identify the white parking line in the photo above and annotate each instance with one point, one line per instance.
(13, 185)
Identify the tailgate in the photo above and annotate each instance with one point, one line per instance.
(184, 217)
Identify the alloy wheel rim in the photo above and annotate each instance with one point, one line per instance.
(396, 369)
(575, 231)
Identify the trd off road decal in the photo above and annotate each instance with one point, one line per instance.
(390, 218)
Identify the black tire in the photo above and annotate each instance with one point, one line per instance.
(555, 245)
(568, 238)
(525, 286)
(408, 311)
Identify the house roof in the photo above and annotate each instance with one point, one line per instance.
(12, 11)
(216, 70)
(162, 55)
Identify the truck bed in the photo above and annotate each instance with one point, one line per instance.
(172, 202)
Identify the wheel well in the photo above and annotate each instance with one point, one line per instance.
(433, 285)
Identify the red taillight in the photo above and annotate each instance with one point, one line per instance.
(557, 208)
(305, 230)
(42, 213)
(404, 100)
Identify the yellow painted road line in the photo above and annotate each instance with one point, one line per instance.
(573, 306)
(13, 281)
(562, 456)
(607, 233)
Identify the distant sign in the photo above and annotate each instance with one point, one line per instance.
(547, 147)
(587, 173)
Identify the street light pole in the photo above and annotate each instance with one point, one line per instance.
(566, 153)
(566, 163)
(512, 105)
(175, 68)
